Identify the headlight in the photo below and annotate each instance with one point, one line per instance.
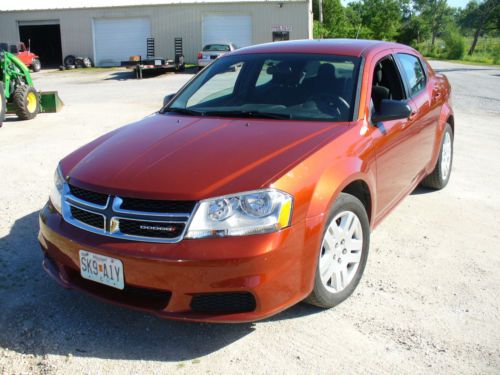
(260, 211)
(57, 190)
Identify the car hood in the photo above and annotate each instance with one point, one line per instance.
(181, 157)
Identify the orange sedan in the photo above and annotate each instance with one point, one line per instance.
(256, 186)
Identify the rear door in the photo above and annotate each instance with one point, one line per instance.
(424, 119)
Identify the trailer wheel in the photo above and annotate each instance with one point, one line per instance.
(181, 65)
(3, 104)
(36, 65)
(26, 102)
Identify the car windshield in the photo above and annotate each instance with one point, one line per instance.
(278, 86)
(217, 47)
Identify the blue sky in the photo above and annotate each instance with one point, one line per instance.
(457, 3)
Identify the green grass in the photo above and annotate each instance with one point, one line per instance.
(466, 62)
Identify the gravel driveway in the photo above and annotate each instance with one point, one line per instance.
(428, 301)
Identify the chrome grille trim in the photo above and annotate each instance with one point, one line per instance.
(117, 203)
(112, 214)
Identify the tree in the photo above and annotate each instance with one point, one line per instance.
(480, 17)
(413, 31)
(381, 19)
(334, 19)
(437, 15)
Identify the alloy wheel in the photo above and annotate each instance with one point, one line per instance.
(446, 156)
(341, 251)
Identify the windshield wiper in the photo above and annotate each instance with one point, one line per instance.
(250, 114)
(184, 111)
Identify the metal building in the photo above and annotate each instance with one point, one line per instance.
(118, 30)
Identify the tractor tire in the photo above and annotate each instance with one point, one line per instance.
(3, 104)
(36, 65)
(69, 60)
(26, 102)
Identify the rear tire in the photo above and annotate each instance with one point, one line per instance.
(26, 102)
(343, 253)
(3, 104)
(440, 176)
(36, 65)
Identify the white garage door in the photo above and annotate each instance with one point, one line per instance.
(227, 28)
(118, 39)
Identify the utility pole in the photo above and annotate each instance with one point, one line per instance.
(321, 12)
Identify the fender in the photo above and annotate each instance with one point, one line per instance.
(335, 179)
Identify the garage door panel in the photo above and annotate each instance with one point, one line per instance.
(227, 28)
(118, 39)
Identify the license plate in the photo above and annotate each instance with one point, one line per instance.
(101, 269)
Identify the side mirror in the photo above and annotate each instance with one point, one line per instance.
(391, 110)
(167, 99)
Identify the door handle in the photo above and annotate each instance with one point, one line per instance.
(413, 114)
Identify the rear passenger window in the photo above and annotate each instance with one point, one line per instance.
(413, 71)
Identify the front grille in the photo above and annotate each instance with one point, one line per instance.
(89, 218)
(151, 229)
(89, 196)
(223, 303)
(150, 205)
(127, 218)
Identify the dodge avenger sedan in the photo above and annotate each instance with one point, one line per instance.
(256, 186)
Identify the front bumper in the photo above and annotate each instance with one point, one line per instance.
(276, 270)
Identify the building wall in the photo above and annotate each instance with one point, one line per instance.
(167, 22)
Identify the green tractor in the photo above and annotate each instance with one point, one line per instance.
(16, 88)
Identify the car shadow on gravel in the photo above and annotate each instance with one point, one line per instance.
(419, 190)
(39, 317)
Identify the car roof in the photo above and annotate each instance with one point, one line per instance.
(346, 47)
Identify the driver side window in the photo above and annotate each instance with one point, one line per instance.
(386, 83)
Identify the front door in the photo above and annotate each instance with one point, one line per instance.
(391, 139)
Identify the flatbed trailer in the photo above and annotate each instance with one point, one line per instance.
(138, 64)
(151, 63)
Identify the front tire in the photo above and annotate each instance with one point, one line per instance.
(26, 102)
(440, 176)
(36, 65)
(343, 253)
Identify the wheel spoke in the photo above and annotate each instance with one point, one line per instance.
(336, 230)
(353, 257)
(337, 279)
(348, 224)
(355, 245)
(329, 240)
(326, 267)
(343, 275)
